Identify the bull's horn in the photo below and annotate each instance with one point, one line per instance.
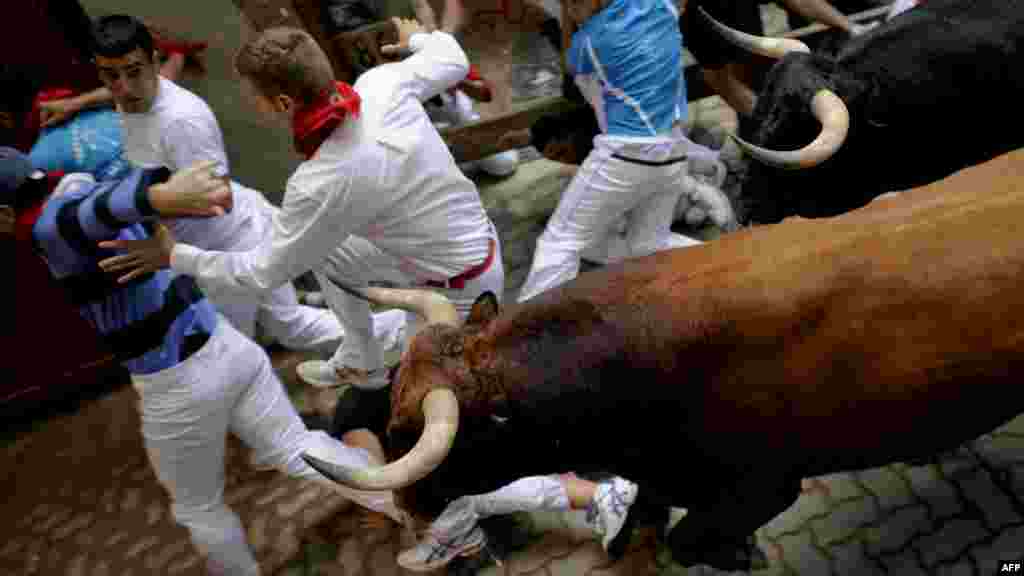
(433, 306)
(771, 47)
(830, 110)
(441, 412)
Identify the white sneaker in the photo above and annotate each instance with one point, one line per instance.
(318, 373)
(608, 510)
(322, 374)
(314, 299)
(455, 532)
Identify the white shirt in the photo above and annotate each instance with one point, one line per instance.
(178, 130)
(385, 175)
(899, 7)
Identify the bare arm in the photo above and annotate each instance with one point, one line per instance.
(821, 11)
(452, 20)
(425, 14)
(57, 111)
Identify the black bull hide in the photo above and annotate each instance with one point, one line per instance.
(932, 91)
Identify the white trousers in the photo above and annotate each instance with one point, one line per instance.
(603, 190)
(278, 314)
(187, 411)
(359, 262)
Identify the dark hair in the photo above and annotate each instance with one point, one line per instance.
(116, 35)
(577, 127)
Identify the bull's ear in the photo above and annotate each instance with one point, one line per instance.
(484, 309)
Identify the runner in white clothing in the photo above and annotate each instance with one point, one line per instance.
(379, 199)
(163, 124)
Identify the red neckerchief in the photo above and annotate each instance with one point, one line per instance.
(312, 124)
(27, 219)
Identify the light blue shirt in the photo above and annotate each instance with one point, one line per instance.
(627, 60)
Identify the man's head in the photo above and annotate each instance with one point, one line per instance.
(21, 187)
(126, 61)
(283, 69)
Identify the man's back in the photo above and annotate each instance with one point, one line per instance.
(627, 59)
(403, 190)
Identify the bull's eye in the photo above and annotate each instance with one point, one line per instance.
(453, 348)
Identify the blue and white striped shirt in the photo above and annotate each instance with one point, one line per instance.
(82, 213)
(627, 61)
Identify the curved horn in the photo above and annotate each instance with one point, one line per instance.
(433, 306)
(771, 47)
(441, 411)
(830, 110)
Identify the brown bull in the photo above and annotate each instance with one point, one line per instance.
(773, 354)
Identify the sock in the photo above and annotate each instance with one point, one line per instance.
(524, 495)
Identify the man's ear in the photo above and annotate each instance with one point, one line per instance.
(484, 309)
(7, 219)
(284, 103)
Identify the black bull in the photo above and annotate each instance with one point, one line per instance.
(932, 91)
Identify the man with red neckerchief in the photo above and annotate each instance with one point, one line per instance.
(379, 198)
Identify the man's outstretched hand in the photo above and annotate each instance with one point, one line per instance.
(406, 28)
(141, 256)
(196, 191)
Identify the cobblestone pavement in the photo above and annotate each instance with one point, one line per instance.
(959, 514)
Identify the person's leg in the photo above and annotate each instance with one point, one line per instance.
(241, 311)
(736, 94)
(265, 419)
(455, 531)
(185, 415)
(298, 327)
(356, 262)
(650, 222)
(603, 189)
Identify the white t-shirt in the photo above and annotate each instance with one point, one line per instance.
(177, 131)
(899, 7)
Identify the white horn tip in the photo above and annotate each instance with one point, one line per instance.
(339, 473)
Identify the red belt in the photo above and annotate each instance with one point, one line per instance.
(459, 282)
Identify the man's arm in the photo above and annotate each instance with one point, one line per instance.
(142, 195)
(310, 224)
(108, 207)
(57, 111)
(437, 62)
(821, 11)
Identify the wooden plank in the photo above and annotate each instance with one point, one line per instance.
(484, 138)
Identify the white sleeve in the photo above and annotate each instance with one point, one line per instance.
(437, 64)
(311, 223)
(189, 140)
